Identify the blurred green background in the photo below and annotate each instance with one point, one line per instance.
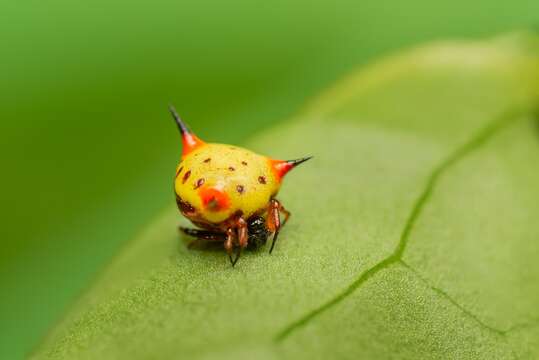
(88, 149)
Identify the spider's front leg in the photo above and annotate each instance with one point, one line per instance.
(273, 221)
(229, 244)
(243, 236)
(239, 231)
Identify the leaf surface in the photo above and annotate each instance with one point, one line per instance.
(413, 235)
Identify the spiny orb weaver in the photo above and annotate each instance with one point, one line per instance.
(229, 192)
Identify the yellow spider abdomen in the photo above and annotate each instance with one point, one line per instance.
(219, 181)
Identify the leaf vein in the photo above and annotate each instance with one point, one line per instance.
(446, 296)
(460, 152)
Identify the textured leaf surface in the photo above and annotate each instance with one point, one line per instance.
(414, 231)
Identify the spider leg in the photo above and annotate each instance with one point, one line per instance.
(273, 221)
(243, 237)
(229, 244)
(285, 212)
(237, 235)
(236, 258)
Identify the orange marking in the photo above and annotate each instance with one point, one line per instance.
(214, 199)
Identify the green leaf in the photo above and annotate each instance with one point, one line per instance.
(414, 231)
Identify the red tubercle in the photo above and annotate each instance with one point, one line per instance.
(190, 142)
(280, 168)
(214, 199)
